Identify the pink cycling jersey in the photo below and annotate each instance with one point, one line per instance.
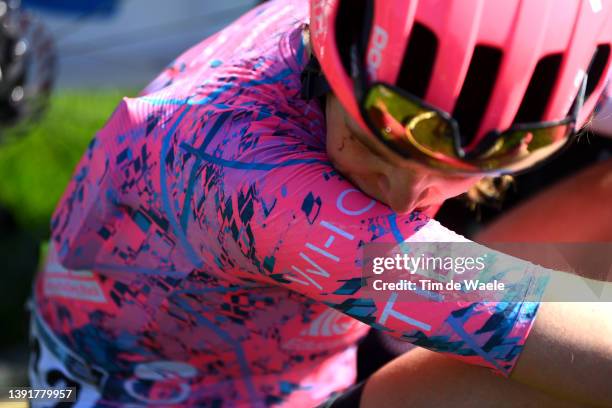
(206, 233)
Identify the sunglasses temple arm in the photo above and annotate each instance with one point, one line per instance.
(579, 102)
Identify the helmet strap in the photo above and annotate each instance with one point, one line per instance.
(314, 84)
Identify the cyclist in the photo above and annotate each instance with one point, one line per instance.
(208, 240)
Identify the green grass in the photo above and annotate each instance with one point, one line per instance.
(37, 165)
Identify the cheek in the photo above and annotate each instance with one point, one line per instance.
(348, 156)
(337, 153)
(335, 140)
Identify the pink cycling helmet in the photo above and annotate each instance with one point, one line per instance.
(490, 64)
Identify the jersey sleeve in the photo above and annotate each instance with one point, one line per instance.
(271, 208)
(88, 208)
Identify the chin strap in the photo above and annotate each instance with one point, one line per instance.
(314, 84)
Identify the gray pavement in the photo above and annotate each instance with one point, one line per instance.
(129, 48)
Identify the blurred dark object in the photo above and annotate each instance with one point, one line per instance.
(27, 66)
(102, 8)
(27, 72)
(375, 350)
(19, 253)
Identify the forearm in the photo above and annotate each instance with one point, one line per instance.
(569, 351)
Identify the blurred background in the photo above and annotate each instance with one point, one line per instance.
(67, 64)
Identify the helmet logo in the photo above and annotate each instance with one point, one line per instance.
(596, 6)
(379, 41)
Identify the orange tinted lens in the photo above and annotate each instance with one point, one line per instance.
(519, 143)
(405, 124)
(432, 131)
(520, 149)
(414, 131)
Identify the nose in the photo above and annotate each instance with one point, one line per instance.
(406, 190)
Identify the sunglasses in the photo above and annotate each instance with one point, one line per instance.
(419, 131)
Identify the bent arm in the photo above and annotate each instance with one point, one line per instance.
(283, 216)
(303, 227)
(569, 350)
(306, 262)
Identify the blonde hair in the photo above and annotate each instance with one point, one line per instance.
(490, 191)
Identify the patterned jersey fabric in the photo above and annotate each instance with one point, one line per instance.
(206, 253)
